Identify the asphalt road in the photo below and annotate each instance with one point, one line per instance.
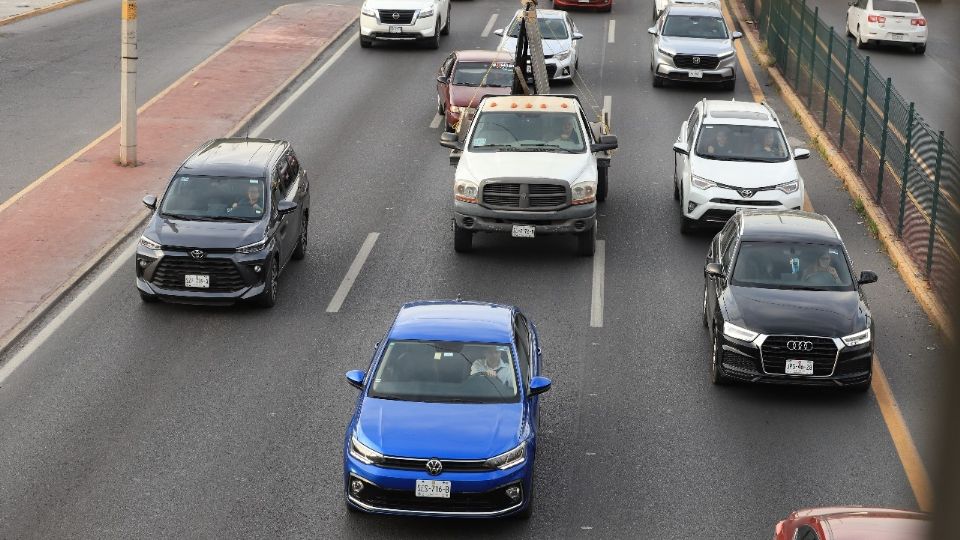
(137, 420)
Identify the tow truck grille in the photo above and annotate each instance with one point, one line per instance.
(516, 195)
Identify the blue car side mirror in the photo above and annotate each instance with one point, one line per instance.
(539, 385)
(355, 378)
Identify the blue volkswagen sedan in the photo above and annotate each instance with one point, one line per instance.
(447, 417)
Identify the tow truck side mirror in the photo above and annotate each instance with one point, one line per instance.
(681, 148)
(449, 140)
(498, 32)
(607, 142)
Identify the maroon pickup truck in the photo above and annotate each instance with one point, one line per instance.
(466, 76)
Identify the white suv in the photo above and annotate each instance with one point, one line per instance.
(732, 155)
(422, 21)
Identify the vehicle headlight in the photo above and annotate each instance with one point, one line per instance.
(584, 192)
(727, 54)
(455, 109)
(253, 248)
(561, 56)
(368, 11)
(700, 182)
(465, 191)
(427, 12)
(789, 187)
(510, 458)
(736, 332)
(665, 52)
(363, 453)
(857, 339)
(149, 244)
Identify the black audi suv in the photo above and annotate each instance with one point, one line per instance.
(231, 218)
(782, 305)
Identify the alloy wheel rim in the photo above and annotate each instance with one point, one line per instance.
(273, 282)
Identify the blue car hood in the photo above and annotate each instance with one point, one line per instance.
(445, 430)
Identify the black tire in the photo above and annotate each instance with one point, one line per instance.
(434, 42)
(716, 375)
(602, 183)
(859, 388)
(657, 82)
(440, 109)
(860, 43)
(920, 49)
(587, 242)
(676, 186)
(687, 225)
(148, 298)
(268, 298)
(462, 240)
(365, 43)
(300, 251)
(729, 85)
(446, 27)
(705, 322)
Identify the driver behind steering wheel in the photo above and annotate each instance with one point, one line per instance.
(492, 365)
(823, 264)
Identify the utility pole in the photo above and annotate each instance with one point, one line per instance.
(128, 83)
(530, 51)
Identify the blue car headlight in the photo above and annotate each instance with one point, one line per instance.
(363, 453)
(508, 459)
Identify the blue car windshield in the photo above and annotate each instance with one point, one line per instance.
(446, 372)
(214, 198)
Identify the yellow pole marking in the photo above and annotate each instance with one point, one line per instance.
(745, 66)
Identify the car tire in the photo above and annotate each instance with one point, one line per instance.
(365, 43)
(705, 322)
(859, 388)
(446, 27)
(147, 298)
(602, 183)
(587, 242)
(462, 239)
(676, 187)
(657, 82)
(687, 225)
(434, 42)
(861, 44)
(716, 375)
(920, 49)
(730, 85)
(300, 251)
(268, 298)
(440, 110)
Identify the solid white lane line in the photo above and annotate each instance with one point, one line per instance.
(257, 131)
(337, 302)
(489, 27)
(435, 123)
(607, 108)
(596, 303)
(122, 260)
(612, 31)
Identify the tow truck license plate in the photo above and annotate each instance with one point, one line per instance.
(524, 231)
(396, 30)
(433, 488)
(201, 281)
(696, 74)
(799, 367)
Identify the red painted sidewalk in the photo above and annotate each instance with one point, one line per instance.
(86, 204)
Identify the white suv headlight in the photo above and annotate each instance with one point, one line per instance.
(737, 332)
(368, 11)
(789, 187)
(510, 458)
(426, 12)
(561, 56)
(363, 453)
(857, 339)
(465, 191)
(700, 182)
(669, 54)
(584, 192)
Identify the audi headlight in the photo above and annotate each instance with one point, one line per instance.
(561, 56)
(665, 52)
(736, 332)
(857, 339)
(584, 192)
(789, 187)
(252, 248)
(700, 182)
(510, 458)
(363, 453)
(368, 11)
(428, 12)
(465, 191)
(149, 244)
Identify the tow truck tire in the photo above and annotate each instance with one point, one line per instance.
(446, 27)
(587, 242)
(365, 43)
(462, 240)
(602, 184)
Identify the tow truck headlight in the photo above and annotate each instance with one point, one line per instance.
(426, 12)
(857, 339)
(561, 56)
(789, 187)
(584, 192)
(465, 191)
(368, 11)
(700, 182)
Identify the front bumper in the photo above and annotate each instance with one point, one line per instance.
(420, 29)
(880, 34)
(570, 220)
(746, 362)
(664, 67)
(583, 4)
(160, 273)
(717, 205)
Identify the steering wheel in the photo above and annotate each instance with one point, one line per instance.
(820, 281)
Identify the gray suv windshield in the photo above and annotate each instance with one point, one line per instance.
(210, 198)
(695, 26)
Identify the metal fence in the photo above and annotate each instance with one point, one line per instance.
(909, 168)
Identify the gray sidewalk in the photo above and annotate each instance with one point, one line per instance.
(11, 10)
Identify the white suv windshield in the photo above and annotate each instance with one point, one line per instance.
(521, 131)
(695, 26)
(727, 142)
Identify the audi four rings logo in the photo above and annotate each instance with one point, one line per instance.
(805, 346)
(696, 59)
(396, 15)
(197, 254)
(434, 467)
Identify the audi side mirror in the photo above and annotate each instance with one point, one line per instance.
(449, 140)
(681, 148)
(801, 153)
(285, 207)
(355, 378)
(539, 385)
(867, 277)
(714, 270)
(150, 201)
(498, 32)
(736, 35)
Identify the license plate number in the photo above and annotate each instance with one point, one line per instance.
(696, 74)
(524, 231)
(396, 30)
(201, 281)
(799, 367)
(433, 488)
(898, 37)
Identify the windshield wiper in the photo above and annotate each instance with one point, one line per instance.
(234, 218)
(494, 146)
(544, 147)
(185, 217)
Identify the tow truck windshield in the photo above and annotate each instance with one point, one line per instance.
(528, 132)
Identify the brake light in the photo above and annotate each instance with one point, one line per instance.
(918, 22)
(876, 19)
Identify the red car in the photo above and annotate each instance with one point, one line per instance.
(599, 5)
(853, 523)
(467, 76)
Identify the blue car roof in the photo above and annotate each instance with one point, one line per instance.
(454, 321)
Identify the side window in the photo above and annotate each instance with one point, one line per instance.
(692, 128)
(522, 331)
(862, 4)
(727, 242)
(447, 67)
(294, 164)
(283, 175)
(806, 533)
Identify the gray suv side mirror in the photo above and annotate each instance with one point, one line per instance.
(150, 201)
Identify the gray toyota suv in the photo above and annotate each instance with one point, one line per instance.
(693, 44)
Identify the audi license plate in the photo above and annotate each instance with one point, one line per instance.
(433, 488)
(696, 74)
(799, 367)
(201, 281)
(396, 30)
(524, 231)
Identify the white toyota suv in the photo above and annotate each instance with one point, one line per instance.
(422, 21)
(732, 155)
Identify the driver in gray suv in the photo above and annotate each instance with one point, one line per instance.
(693, 44)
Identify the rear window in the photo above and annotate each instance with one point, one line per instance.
(900, 6)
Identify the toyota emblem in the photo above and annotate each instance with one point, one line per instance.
(746, 193)
(434, 467)
(696, 60)
(800, 346)
(197, 254)
(396, 15)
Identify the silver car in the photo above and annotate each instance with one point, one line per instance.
(693, 43)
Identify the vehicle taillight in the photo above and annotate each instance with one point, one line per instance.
(876, 18)
(918, 22)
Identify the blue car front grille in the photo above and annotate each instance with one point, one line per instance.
(419, 464)
(396, 499)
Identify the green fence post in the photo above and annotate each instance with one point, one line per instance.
(883, 137)
(786, 45)
(766, 19)
(803, 17)
(846, 90)
(813, 54)
(826, 89)
(863, 114)
(936, 200)
(906, 169)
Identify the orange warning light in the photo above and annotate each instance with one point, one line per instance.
(513, 105)
(529, 105)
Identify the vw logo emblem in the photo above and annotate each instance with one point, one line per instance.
(800, 346)
(197, 254)
(434, 467)
(396, 15)
(696, 59)
(746, 193)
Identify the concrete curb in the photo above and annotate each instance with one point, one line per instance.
(29, 321)
(905, 266)
(39, 11)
